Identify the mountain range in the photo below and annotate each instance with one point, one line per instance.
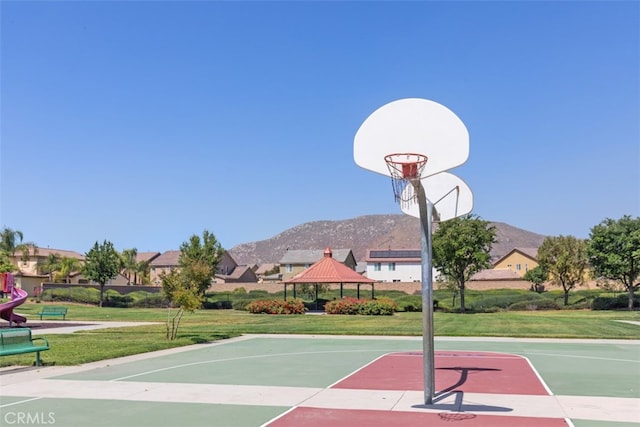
(392, 231)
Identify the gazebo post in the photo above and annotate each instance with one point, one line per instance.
(358, 292)
(294, 291)
(285, 291)
(316, 296)
(341, 286)
(373, 293)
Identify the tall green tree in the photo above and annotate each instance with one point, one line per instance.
(49, 265)
(11, 241)
(185, 287)
(66, 267)
(129, 263)
(565, 258)
(6, 266)
(537, 276)
(101, 264)
(206, 250)
(614, 252)
(142, 273)
(461, 248)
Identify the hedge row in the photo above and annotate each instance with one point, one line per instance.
(112, 298)
(375, 307)
(618, 302)
(274, 306)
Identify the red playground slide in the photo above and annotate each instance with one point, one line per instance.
(18, 296)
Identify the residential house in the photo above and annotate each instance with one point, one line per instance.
(519, 260)
(163, 264)
(31, 265)
(228, 269)
(146, 257)
(230, 272)
(29, 275)
(296, 261)
(394, 265)
(263, 269)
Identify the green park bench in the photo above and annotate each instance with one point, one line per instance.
(19, 341)
(53, 311)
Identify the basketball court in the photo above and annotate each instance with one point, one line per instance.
(274, 380)
(310, 381)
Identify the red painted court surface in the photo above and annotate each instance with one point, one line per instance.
(455, 372)
(469, 372)
(313, 417)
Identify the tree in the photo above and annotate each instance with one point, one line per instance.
(461, 248)
(67, 266)
(50, 265)
(537, 276)
(206, 250)
(614, 252)
(141, 274)
(129, 263)
(11, 242)
(182, 289)
(185, 287)
(565, 258)
(101, 264)
(6, 266)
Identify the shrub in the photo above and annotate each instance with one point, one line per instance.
(618, 302)
(150, 300)
(493, 302)
(274, 306)
(343, 306)
(376, 307)
(72, 294)
(539, 304)
(217, 305)
(115, 299)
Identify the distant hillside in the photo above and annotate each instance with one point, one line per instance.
(395, 231)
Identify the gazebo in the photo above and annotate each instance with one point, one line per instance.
(328, 271)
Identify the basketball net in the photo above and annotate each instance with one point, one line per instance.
(405, 168)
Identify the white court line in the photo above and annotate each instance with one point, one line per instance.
(20, 402)
(233, 359)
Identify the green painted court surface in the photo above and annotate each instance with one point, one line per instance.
(242, 369)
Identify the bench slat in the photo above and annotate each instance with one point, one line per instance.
(52, 311)
(19, 341)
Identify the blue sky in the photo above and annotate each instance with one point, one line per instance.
(143, 123)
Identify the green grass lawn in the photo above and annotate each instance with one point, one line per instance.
(210, 325)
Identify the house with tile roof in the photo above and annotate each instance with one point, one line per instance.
(31, 277)
(273, 269)
(31, 265)
(294, 262)
(228, 270)
(519, 260)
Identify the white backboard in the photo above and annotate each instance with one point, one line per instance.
(450, 195)
(412, 125)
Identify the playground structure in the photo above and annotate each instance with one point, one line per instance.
(18, 297)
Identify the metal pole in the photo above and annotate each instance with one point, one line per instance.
(426, 208)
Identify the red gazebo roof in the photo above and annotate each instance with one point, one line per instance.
(328, 270)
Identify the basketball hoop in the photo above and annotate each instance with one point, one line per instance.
(405, 168)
